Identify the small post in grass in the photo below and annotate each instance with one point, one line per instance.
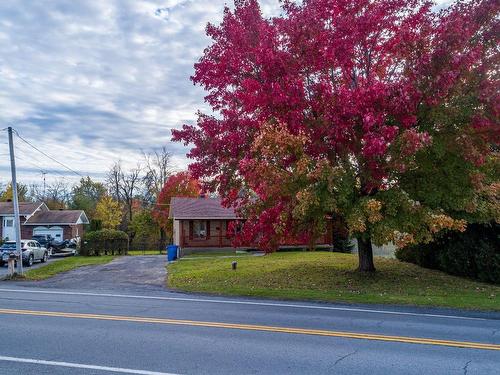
(11, 264)
(234, 264)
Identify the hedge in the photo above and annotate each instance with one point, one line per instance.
(474, 253)
(95, 225)
(104, 242)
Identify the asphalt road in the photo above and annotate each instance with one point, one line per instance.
(76, 332)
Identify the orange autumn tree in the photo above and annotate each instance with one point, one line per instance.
(180, 184)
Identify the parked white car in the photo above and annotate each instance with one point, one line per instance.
(32, 251)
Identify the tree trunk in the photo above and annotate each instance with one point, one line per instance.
(163, 238)
(365, 254)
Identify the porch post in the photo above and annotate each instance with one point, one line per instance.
(220, 233)
(181, 222)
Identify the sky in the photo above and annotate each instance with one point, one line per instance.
(95, 81)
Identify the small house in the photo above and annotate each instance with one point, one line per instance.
(203, 223)
(37, 219)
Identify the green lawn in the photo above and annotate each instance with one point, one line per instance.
(215, 254)
(64, 265)
(145, 252)
(331, 277)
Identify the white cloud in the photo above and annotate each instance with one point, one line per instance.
(93, 81)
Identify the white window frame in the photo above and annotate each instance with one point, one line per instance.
(199, 229)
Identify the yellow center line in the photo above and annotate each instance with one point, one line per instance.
(253, 327)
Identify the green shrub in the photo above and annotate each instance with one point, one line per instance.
(95, 225)
(342, 245)
(474, 253)
(104, 242)
(341, 241)
(422, 255)
(488, 263)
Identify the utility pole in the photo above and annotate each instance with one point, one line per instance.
(17, 221)
(43, 174)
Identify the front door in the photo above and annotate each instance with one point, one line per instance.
(8, 230)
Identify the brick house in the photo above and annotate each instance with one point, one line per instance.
(202, 223)
(37, 218)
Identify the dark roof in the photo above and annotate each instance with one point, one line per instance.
(25, 208)
(57, 217)
(199, 208)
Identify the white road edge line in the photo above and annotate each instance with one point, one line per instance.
(82, 366)
(313, 307)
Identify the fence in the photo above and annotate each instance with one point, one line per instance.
(149, 247)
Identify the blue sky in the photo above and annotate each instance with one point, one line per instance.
(93, 81)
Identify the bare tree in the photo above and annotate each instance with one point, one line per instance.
(125, 185)
(113, 180)
(130, 186)
(158, 169)
(36, 192)
(58, 195)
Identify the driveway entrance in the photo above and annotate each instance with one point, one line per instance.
(126, 273)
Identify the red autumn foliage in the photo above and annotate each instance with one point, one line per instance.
(180, 184)
(351, 76)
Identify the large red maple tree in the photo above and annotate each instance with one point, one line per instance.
(330, 108)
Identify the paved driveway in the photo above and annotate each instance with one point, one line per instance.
(127, 273)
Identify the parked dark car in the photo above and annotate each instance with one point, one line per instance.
(43, 239)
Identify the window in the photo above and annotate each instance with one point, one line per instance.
(199, 229)
(9, 222)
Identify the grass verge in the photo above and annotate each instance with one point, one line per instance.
(216, 254)
(66, 264)
(145, 252)
(331, 277)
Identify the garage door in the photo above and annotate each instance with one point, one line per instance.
(55, 232)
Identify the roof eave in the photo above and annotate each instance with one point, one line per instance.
(49, 223)
(85, 218)
(206, 218)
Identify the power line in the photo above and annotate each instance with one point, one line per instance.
(42, 169)
(30, 162)
(48, 156)
(29, 157)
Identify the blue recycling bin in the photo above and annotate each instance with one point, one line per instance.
(171, 252)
